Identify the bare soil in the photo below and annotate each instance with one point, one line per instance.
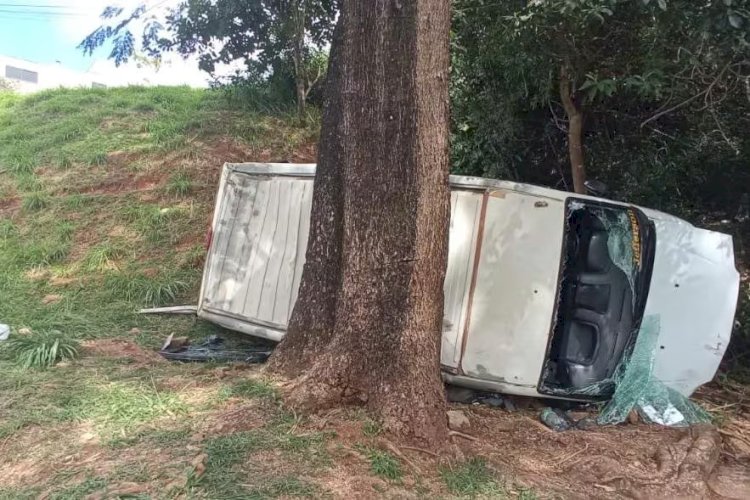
(625, 461)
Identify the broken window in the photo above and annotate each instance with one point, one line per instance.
(607, 260)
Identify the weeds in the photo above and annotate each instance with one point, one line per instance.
(98, 158)
(472, 478)
(254, 389)
(75, 201)
(28, 182)
(64, 162)
(102, 257)
(142, 290)
(383, 464)
(179, 185)
(120, 406)
(33, 202)
(42, 349)
(371, 428)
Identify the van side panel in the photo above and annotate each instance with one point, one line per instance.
(258, 246)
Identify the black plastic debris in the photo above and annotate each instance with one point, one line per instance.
(556, 419)
(560, 420)
(215, 349)
(493, 400)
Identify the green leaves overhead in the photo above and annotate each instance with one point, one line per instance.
(664, 88)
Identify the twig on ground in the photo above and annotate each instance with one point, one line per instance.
(461, 434)
(571, 456)
(414, 448)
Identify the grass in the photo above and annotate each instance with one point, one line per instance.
(383, 464)
(253, 389)
(471, 479)
(82, 226)
(371, 428)
(145, 291)
(121, 406)
(102, 257)
(35, 201)
(179, 185)
(42, 349)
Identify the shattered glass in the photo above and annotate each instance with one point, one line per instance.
(620, 241)
(637, 388)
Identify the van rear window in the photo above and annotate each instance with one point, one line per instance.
(603, 285)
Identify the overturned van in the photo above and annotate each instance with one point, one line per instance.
(545, 290)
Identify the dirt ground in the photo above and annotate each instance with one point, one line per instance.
(634, 460)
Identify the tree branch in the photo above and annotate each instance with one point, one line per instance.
(704, 93)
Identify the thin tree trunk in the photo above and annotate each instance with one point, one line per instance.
(301, 98)
(575, 132)
(298, 58)
(367, 325)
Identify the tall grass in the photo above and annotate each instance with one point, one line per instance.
(41, 349)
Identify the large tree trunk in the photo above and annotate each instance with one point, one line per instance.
(367, 325)
(575, 132)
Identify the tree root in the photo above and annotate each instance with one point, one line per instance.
(393, 449)
(461, 434)
(414, 448)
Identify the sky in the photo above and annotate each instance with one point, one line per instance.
(47, 31)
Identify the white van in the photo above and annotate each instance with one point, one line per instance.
(544, 292)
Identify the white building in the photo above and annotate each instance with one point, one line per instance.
(26, 76)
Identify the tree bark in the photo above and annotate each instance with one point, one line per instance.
(367, 325)
(575, 132)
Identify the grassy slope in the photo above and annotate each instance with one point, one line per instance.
(105, 198)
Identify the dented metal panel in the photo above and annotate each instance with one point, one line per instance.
(256, 256)
(694, 289)
(516, 284)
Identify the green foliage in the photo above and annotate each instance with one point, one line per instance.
(288, 40)
(102, 257)
(655, 136)
(41, 349)
(97, 158)
(471, 478)
(119, 406)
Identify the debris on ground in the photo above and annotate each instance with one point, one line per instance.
(457, 420)
(175, 344)
(556, 419)
(214, 348)
(456, 394)
(4, 331)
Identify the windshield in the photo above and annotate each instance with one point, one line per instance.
(603, 286)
